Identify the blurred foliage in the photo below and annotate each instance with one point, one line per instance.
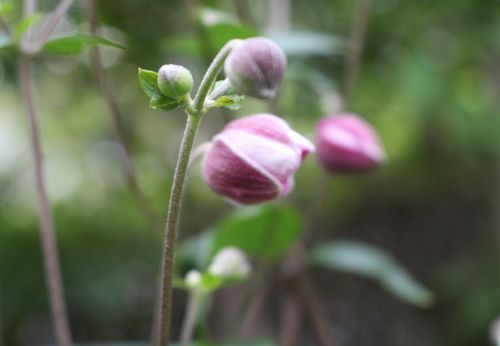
(429, 83)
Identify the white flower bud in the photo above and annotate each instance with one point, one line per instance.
(193, 279)
(230, 262)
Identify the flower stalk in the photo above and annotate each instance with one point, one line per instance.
(195, 111)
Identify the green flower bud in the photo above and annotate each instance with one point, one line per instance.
(174, 80)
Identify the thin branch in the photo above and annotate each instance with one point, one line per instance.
(294, 271)
(30, 46)
(5, 26)
(190, 317)
(291, 316)
(29, 7)
(253, 305)
(244, 12)
(279, 15)
(117, 121)
(315, 311)
(358, 34)
(48, 239)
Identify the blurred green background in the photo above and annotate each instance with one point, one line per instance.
(429, 83)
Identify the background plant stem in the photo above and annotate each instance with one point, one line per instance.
(358, 33)
(190, 317)
(48, 239)
(117, 121)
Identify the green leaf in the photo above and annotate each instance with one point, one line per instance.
(266, 232)
(25, 24)
(231, 102)
(375, 263)
(6, 7)
(220, 27)
(195, 251)
(75, 44)
(225, 96)
(149, 83)
(163, 103)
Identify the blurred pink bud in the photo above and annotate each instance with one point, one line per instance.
(346, 143)
(254, 158)
(256, 67)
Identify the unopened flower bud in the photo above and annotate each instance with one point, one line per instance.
(174, 80)
(230, 262)
(346, 143)
(193, 279)
(254, 158)
(256, 67)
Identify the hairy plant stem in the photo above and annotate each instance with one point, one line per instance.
(48, 238)
(195, 111)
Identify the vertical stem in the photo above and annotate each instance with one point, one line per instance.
(117, 122)
(244, 12)
(32, 46)
(48, 240)
(291, 317)
(195, 112)
(359, 26)
(194, 301)
(171, 227)
(315, 311)
(279, 15)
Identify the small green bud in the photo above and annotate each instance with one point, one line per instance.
(174, 80)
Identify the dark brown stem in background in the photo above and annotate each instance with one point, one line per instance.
(252, 309)
(48, 239)
(244, 12)
(291, 316)
(279, 15)
(315, 311)
(117, 121)
(294, 271)
(4, 26)
(358, 34)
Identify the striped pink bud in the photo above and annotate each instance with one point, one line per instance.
(253, 159)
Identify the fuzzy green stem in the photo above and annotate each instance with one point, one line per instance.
(211, 75)
(195, 112)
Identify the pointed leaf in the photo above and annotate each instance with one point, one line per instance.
(149, 83)
(163, 103)
(24, 25)
(75, 44)
(375, 263)
(231, 102)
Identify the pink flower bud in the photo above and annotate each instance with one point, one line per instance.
(346, 143)
(256, 67)
(254, 158)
